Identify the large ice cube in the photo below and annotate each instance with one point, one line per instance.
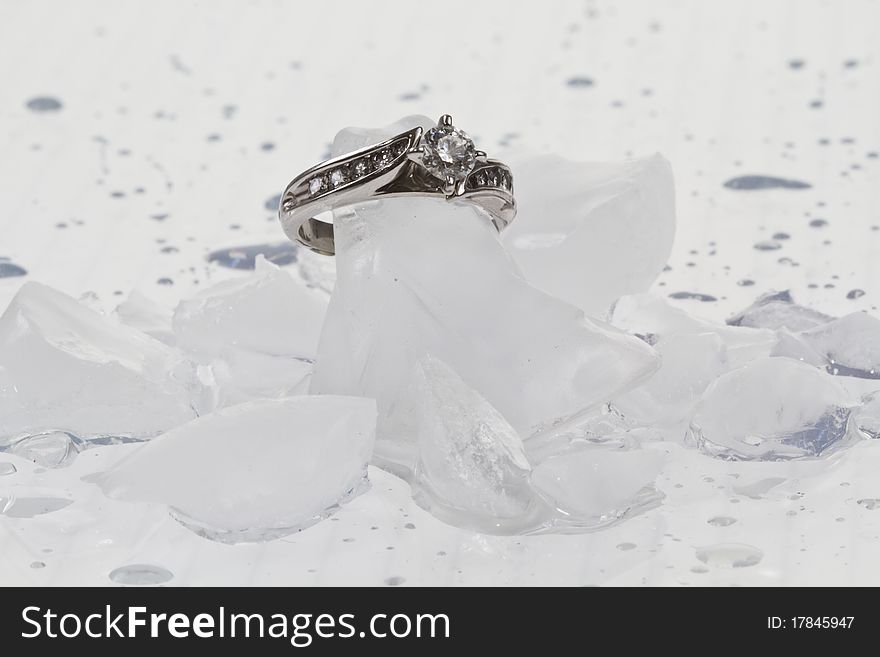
(589, 233)
(776, 310)
(65, 367)
(254, 471)
(772, 409)
(421, 276)
(471, 469)
(653, 318)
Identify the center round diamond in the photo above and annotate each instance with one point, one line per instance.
(448, 152)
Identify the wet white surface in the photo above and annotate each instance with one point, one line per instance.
(157, 156)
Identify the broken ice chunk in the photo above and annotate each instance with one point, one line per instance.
(690, 362)
(851, 345)
(242, 375)
(266, 312)
(776, 310)
(255, 471)
(147, 316)
(471, 469)
(65, 367)
(652, 317)
(594, 486)
(589, 233)
(771, 409)
(443, 285)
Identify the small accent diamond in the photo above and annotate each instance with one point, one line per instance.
(382, 158)
(338, 177)
(361, 168)
(316, 185)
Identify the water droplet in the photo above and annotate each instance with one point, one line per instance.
(624, 547)
(7, 468)
(756, 489)
(796, 64)
(855, 294)
(44, 104)
(767, 245)
(395, 581)
(697, 296)
(141, 574)
(28, 507)
(409, 525)
(870, 503)
(244, 257)
(745, 282)
(818, 223)
(764, 182)
(272, 203)
(721, 521)
(729, 555)
(580, 82)
(9, 269)
(781, 236)
(37, 565)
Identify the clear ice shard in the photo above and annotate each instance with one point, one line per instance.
(147, 316)
(777, 310)
(652, 318)
(267, 312)
(849, 346)
(471, 469)
(772, 409)
(64, 367)
(589, 233)
(257, 333)
(418, 277)
(690, 362)
(254, 471)
(593, 486)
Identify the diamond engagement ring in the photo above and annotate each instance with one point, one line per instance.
(439, 163)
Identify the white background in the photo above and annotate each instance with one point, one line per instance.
(171, 104)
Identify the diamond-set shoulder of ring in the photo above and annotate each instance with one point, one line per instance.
(490, 177)
(342, 172)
